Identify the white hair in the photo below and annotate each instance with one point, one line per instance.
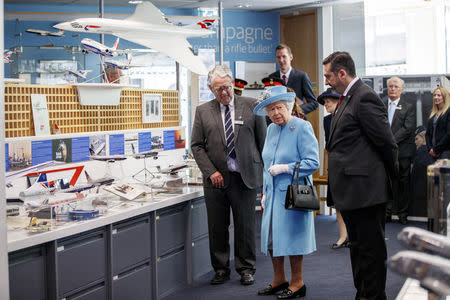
(396, 79)
(289, 105)
(219, 71)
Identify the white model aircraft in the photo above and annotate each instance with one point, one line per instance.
(91, 46)
(148, 27)
(45, 32)
(79, 73)
(121, 64)
(7, 57)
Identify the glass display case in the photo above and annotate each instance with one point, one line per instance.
(46, 65)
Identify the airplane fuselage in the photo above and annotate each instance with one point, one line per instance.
(92, 46)
(112, 26)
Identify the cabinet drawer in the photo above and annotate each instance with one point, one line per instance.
(133, 284)
(130, 243)
(170, 229)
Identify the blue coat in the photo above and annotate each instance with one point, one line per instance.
(292, 231)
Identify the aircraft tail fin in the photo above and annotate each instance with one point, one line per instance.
(88, 178)
(116, 44)
(203, 24)
(147, 11)
(42, 177)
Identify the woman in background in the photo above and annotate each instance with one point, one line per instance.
(330, 99)
(438, 128)
(289, 140)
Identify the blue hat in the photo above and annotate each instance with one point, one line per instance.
(420, 129)
(329, 93)
(271, 95)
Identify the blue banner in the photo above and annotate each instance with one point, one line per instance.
(80, 149)
(169, 139)
(145, 141)
(116, 144)
(41, 151)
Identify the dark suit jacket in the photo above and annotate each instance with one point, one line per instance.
(326, 127)
(299, 81)
(362, 153)
(208, 143)
(442, 133)
(403, 126)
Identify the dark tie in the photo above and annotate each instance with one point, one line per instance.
(284, 79)
(229, 133)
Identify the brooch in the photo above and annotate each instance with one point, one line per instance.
(292, 127)
(398, 107)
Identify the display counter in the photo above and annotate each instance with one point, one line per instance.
(142, 249)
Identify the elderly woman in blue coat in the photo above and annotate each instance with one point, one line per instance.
(285, 232)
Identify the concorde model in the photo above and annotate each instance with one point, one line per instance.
(148, 27)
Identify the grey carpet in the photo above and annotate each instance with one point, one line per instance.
(326, 272)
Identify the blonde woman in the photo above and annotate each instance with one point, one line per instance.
(438, 129)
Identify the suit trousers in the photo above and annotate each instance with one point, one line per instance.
(400, 188)
(241, 200)
(365, 228)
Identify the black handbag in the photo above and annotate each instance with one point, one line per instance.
(301, 196)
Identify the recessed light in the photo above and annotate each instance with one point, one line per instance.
(135, 2)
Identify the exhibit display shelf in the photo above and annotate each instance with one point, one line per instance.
(22, 238)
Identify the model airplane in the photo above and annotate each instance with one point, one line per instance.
(108, 158)
(40, 187)
(91, 46)
(121, 64)
(99, 181)
(45, 32)
(11, 176)
(79, 73)
(171, 169)
(7, 57)
(148, 27)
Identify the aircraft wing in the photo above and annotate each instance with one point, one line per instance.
(177, 48)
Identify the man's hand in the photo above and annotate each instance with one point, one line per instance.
(217, 179)
(278, 169)
(263, 201)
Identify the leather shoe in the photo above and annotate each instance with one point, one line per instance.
(336, 246)
(220, 277)
(271, 290)
(403, 220)
(247, 279)
(288, 294)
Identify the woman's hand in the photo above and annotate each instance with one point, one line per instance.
(263, 201)
(278, 169)
(433, 154)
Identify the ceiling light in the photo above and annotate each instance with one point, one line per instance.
(135, 2)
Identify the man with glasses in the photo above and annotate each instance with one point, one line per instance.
(227, 142)
(402, 118)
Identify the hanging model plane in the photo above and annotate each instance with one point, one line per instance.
(148, 27)
(79, 73)
(45, 32)
(7, 57)
(91, 46)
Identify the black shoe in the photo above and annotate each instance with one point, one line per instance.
(403, 220)
(247, 279)
(220, 277)
(388, 219)
(288, 294)
(336, 246)
(270, 290)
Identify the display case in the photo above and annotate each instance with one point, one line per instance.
(46, 64)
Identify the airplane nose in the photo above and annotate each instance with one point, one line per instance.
(63, 26)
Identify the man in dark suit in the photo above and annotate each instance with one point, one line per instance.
(362, 160)
(402, 118)
(295, 79)
(227, 142)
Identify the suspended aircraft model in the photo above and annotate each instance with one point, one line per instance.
(148, 27)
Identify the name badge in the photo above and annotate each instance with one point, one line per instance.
(238, 122)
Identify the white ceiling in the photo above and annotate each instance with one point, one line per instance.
(248, 5)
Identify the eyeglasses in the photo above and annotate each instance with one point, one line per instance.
(220, 89)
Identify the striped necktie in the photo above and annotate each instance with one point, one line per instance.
(284, 79)
(229, 133)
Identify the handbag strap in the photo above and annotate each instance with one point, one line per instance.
(297, 170)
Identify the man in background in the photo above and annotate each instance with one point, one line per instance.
(227, 142)
(113, 74)
(402, 119)
(239, 86)
(362, 160)
(295, 79)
